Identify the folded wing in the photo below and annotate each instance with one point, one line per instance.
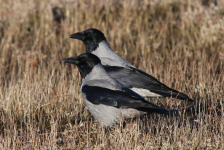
(133, 77)
(120, 99)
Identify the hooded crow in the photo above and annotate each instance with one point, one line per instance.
(120, 69)
(107, 99)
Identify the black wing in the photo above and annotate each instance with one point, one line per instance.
(133, 77)
(125, 99)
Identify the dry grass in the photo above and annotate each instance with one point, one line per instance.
(179, 42)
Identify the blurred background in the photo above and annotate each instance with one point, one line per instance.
(180, 42)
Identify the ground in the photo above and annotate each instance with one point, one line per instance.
(179, 42)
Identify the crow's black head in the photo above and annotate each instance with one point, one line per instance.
(90, 37)
(85, 62)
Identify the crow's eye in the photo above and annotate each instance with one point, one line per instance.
(89, 34)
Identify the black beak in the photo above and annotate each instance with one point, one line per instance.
(71, 60)
(78, 35)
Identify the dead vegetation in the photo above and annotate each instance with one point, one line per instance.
(179, 42)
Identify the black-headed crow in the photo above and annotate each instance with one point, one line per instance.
(120, 69)
(108, 100)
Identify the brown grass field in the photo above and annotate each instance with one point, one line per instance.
(180, 42)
